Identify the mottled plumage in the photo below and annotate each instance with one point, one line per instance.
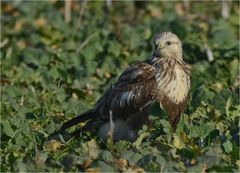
(173, 86)
(162, 78)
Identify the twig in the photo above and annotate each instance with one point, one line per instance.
(4, 43)
(109, 3)
(186, 4)
(209, 53)
(67, 10)
(85, 42)
(81, 13)
(225, 9)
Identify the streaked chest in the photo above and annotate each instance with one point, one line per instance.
(173, 81)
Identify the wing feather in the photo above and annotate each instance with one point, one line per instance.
(135, 89)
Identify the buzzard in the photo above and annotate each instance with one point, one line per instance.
(164, 78)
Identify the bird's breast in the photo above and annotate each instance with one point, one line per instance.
(173, 83)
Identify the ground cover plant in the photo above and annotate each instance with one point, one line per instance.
(54, 67)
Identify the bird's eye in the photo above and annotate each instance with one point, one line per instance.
(168, 43)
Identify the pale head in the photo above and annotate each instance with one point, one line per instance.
(168, 45)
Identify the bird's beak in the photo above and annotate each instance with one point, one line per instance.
(161, 46)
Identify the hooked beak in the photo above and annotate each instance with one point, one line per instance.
(161, 46)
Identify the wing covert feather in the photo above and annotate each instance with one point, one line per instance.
(135, 89)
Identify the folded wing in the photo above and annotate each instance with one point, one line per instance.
(134, 90)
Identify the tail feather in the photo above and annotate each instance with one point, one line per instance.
(81, 118)
(91, 125)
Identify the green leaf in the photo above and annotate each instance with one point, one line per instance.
(234, 69)
(105, 167)
(115, 49)
(7, 129)
(221, 99)
(160, 160)
(223, 34)
(201, 131)
(166, 126)
(131, 156)
(139, 140)
(227, 146)
(107, 156)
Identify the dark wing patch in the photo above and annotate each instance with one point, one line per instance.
(138, 72)
(135, 89)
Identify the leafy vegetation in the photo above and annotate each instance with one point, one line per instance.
(52, 70)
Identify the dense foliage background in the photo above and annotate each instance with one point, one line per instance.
(54, 67)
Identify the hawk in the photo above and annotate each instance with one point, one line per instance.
(164, 78)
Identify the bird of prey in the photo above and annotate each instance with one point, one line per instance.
(164, 78)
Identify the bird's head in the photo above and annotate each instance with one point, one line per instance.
(167, 45)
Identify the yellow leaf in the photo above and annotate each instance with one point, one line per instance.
(178, 143)
(91, 148)
(95, 170)
(52, 145)
(107, 74)
(18, 26)
(87, 163)
(40, 22)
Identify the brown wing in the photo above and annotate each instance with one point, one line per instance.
(135, 89)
